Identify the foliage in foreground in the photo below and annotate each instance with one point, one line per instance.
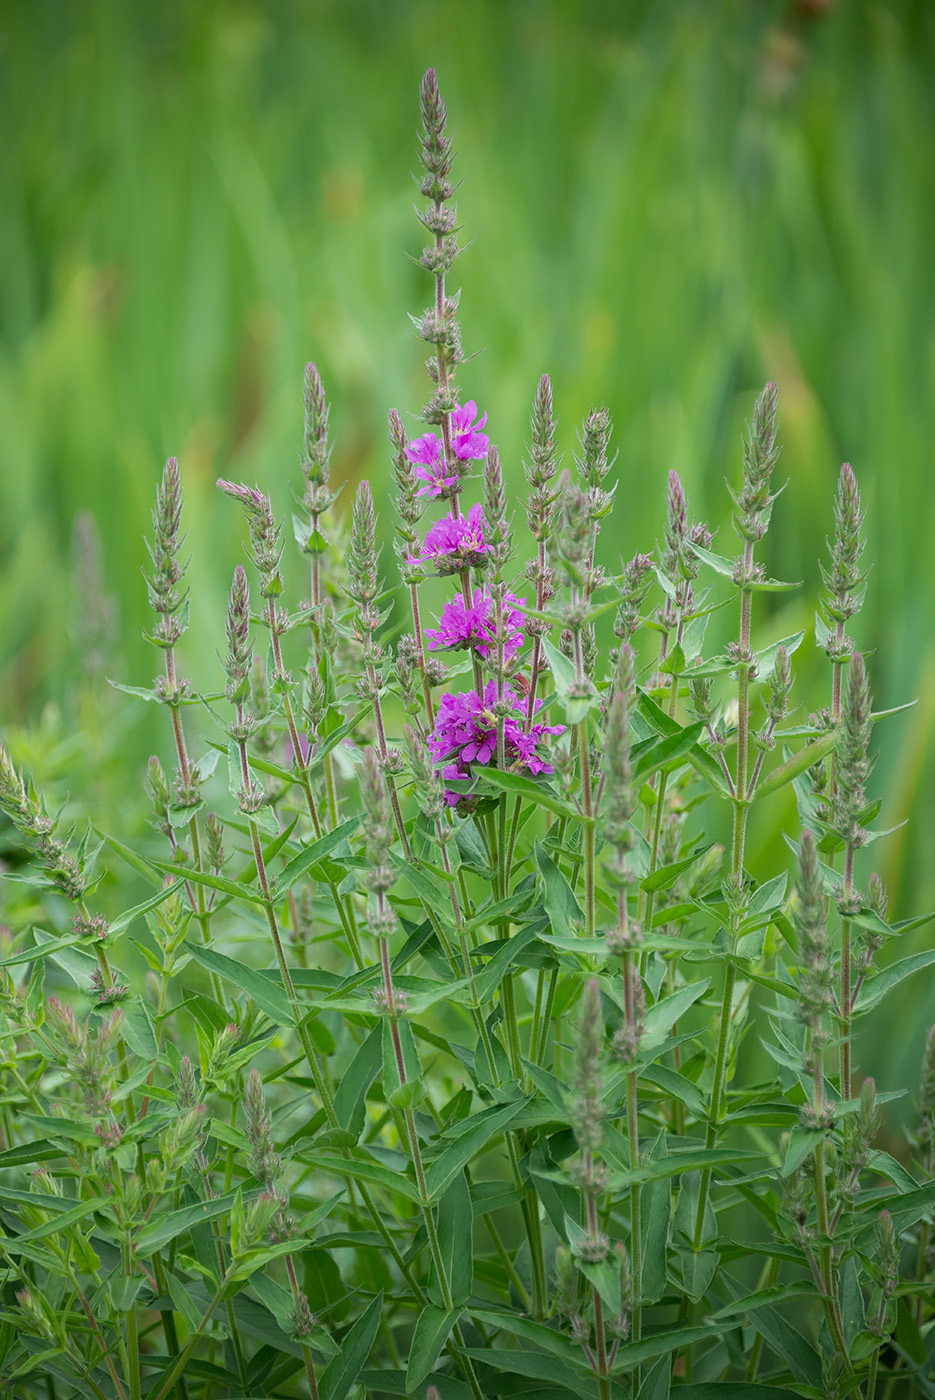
(436, 1082)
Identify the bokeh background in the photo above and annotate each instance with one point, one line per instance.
(670, 203)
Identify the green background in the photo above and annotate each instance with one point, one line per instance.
(670, 203)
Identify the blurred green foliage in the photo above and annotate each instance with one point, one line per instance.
(671, 202)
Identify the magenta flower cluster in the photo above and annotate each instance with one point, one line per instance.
(467, 442)
(462, 626)
(466, 733)
(454, 543)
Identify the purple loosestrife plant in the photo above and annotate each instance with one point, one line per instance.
(420, 1036)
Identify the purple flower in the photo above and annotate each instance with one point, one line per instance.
(466, 733)
(455, 543)
(427, 464)
(463, 626)
(466, 437)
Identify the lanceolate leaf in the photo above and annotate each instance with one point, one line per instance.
(432, 1330)
(340, 1375)
(472, 1135)
(805, 758)
(311, 855)
(875, 989)
(268, 995)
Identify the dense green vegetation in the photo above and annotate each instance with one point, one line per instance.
(671, 203)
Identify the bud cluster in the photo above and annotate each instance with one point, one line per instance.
(845, 585)
(852, 760)
(26, 811)
(264, 533)
(165, 595)
(753, 502)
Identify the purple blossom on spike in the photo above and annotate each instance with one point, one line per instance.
(473, 627)
(455, 543)
(467, 440)
(427, 464)
(466, 732)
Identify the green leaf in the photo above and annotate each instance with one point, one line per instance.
(432, 1330)
(787, 1342)
(662, 1343)
(365, 1169)
(79, 965)
(798, 763)
(340, 1375)
(537, 1366)
(657, 1382)
(563, 670)
(563, 910)
(268, 995)
(139, 691)
(472, 1134)
(124, 920)
(235, 888)
(739, 1390)
(313, 854)
(351, 1094)
(663, 1016)
(668, 750)
(123, 1290)
(666, 875)
(656, 1210)
(764, 1297)
(178, 1222)
(27, 1153)
(137, 1029)
(532, 790)
(714, 561)
(455, 1225)
(873, 991)
(13, 1244)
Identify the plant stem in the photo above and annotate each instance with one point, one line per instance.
(741, 807)
(844, 997)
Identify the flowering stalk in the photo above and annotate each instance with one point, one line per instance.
(847, 803)
(381, 922)
(409, 512)
(620, 803)
(753, 506)
(316, 499)
(815, 1000)
(844, 583)
(267, 552)
(170, 602)
(680, 565)
(540, 508)
(585, 1108)
(575, 543)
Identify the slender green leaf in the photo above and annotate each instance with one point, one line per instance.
(795, 765)
(311, 855)
(351, 1093)
(432, 1330)
(177, 1222)
(362, 1169)
(340, 1375)
(268, 995)
(455, 1226)
(530, 789)
(875, 989)
(235, 888)
(473, 1134)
